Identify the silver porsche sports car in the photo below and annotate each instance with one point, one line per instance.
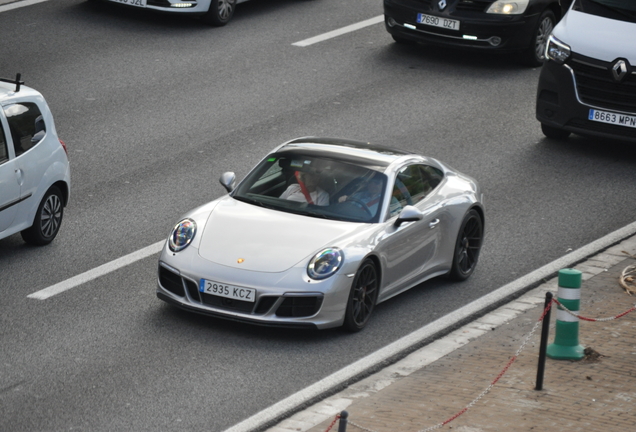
(319, 232)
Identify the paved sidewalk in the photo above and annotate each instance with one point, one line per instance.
(435, 383)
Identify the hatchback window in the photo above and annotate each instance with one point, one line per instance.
(4, 154)
(26, 125)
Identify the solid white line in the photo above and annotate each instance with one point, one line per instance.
(97, 272)
(338, 32)
(19, 4)
(307, 395)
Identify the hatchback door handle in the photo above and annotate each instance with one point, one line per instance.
(432, 224)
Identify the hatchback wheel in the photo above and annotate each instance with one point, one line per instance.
(47, 219)
(362, 298)
(467, 246)
(220, 12)
(535, 55)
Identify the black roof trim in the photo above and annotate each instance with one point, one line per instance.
(16, 81)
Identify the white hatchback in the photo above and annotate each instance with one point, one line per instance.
(35, 177)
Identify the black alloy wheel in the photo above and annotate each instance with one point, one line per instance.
(47, 219)
(362, 298)
(220, 12)
(535, 54)
(467, 246)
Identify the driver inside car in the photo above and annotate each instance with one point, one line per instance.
(306, 190)
(371, 196)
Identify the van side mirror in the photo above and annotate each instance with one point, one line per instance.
(228, 180)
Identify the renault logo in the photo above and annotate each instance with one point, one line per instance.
(441, 4)
(620, 69)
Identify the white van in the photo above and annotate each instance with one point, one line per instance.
(587, 85)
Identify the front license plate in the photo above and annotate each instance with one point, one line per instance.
(138, 3)
(612, 118)
(227, 291)
(434, 21)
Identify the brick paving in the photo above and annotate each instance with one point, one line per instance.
(597, 393)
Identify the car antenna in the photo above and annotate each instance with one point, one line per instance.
(17, 82)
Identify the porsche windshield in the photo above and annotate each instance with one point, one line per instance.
(316, 187)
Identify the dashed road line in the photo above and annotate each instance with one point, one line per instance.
(334, 33)
(6, 6)
(97, 272)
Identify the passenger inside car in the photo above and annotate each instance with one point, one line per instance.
(306, 190)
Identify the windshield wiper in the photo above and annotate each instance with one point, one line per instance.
(316, 215)
(249, 201)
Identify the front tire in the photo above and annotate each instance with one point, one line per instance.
(47, 220)
(402, 41)
(535, 55)
(220, 12)
(467, 246)
(555, 133)
(362, 298)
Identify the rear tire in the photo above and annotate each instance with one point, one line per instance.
(47, 220)
(220, 12)
(467, 246)
(555, 133)
(362, 298)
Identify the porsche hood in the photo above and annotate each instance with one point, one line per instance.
(247, 237)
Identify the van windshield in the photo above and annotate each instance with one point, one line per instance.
(624, 10)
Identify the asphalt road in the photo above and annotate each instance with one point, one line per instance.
(154, 108)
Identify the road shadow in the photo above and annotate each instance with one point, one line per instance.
(453, 57)
(598, 149)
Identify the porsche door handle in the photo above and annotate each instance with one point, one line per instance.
(432, 224)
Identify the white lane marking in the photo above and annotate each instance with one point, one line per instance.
(97, 272)
(338, 32)
(19, 4)
(290, 404)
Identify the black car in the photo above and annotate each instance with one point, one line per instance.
(504, 26)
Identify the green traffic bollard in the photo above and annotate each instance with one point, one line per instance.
(566, 340)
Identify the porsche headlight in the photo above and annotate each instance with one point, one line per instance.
(182, 234)
(557, 50)
(506, 7)
(325, 263)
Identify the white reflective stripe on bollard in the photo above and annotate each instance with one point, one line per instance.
(569, 293)
(564, 316)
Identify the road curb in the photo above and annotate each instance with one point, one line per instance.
(331, 395)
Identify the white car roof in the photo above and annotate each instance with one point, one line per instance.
(8, 93)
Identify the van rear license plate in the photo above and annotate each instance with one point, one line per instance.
(612, 118)
(434, 21)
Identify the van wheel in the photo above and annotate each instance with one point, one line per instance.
(535, 54)
(552, 132)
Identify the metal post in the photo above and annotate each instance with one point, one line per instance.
(342, 426)
(545, 329)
